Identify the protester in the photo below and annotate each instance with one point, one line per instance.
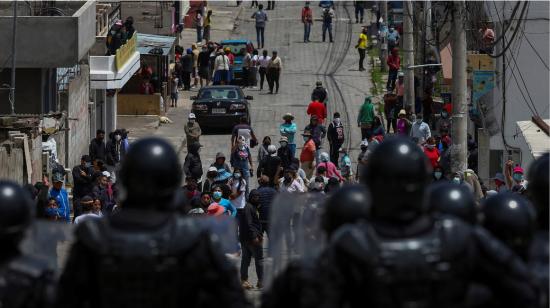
(362, 159)
(514, 177)
(328, 15)
(210, 180)
(261, 18)
(318, 109)
(394, 64)
(392, 38)
(115, 149)
(98, 149)
(420, 129)
(365, 118)
(174, 80)
(318, 133)
(253, 74)
(221, 69)
(204, 65)
(187, 69)
(238, 191)
(199, 23)
(290, 183)
(400, 88)
(319, 93)
(487, 38)
(267, 194)
(192, 167)
(378, 131)
(362, 47)
(51, 210)
(431, 152)
(61, 197)
(264, 62)
(344, 164)
(271, 5)
(307, 20)
(331, 169)
(83, 182)
(103, 191)
(274, 69)
(271, 166)
(247, 67)
(241, 158)
(243, 129)
(359, 10)
(335, 137)
(207, 24)
(288, 130)
(262, 151)
(251, 239)
(284, 153)
(192, 130)
(307, 156)
(229, 209)
(87, 205)
(195, 73)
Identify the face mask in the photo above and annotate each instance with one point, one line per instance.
(517, 177)
(444, 114)
(51, 212)
(237, 175)
(217, 194)
(456, 180)
(118, 137)
(305, 138)
(337, 120)
(438, 175)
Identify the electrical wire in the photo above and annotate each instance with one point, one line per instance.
(516, 30)
(535, 50)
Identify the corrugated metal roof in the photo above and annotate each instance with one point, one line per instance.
(146, 42)
(537, 140)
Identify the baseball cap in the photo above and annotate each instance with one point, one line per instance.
(57, 177)
(106, 173)
(365, 142)
(499, 176)
(212, 169)
(400, 74)
(288, 115)
(271, 149)
(518, 169)
(192, 116)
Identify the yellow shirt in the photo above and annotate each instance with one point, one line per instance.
(363, 39)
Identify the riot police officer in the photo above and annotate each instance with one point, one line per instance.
(25, 281)
(453, 199)
(348, 204)
(146, 255)
(537, 191)
(405, 257)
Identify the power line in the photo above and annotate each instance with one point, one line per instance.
(535, 50)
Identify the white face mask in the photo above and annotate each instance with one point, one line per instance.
(118, 137)
(337, 120)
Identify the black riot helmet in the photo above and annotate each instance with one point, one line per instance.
(511, 218)
(347, 205)
(453, 199)
(16, 213)
(537, 189)
(150, 175)
(397, 175)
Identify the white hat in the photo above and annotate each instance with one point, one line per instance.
(106, 173)
(192, 116)
(271, 149)
(212, 169)
(365, 142)
(400, 74)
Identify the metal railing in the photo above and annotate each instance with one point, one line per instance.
(125, 52)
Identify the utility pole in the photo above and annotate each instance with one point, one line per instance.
(13, 55)
(408, 51)
(384, 49)
(459, 99)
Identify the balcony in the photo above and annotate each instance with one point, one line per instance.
(48, 37)
(112, 72)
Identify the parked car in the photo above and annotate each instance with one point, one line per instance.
(237, 47)
(220, 106)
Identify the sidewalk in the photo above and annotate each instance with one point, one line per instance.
(223, 23)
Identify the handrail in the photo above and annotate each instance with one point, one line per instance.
(126, 51)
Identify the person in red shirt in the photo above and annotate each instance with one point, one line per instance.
(307, 156)
(394, 63)
(317, 108)
(307, 20)
(431, 152)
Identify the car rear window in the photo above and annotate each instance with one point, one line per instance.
(220, 94)
(236, 48)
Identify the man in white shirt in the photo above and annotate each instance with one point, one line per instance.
(420, 129)
(87, 204)
(264, 62)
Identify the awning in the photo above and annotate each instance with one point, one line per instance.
(147, 42)
(537, 141)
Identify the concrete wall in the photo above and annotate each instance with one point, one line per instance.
(61, 40)
(534, 73)
(137, 104)
(79, 128)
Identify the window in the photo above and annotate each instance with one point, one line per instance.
(222, 93)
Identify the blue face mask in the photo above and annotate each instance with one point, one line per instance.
(237, 175)
(306, 138)
(217, 194)
(438, 174)
(51, 212)
(517, 177)
(456, 180)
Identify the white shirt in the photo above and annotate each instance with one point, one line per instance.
(221, 63)
(264, 61)
(255, 61)
(295, 186)
(240, 201)
(84, 217)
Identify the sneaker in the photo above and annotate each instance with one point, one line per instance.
(246, 285)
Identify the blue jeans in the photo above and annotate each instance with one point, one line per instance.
(327, 26)
(292, 148)
(359, 11)
(260, 36)
(199, 34)
(307, 31)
